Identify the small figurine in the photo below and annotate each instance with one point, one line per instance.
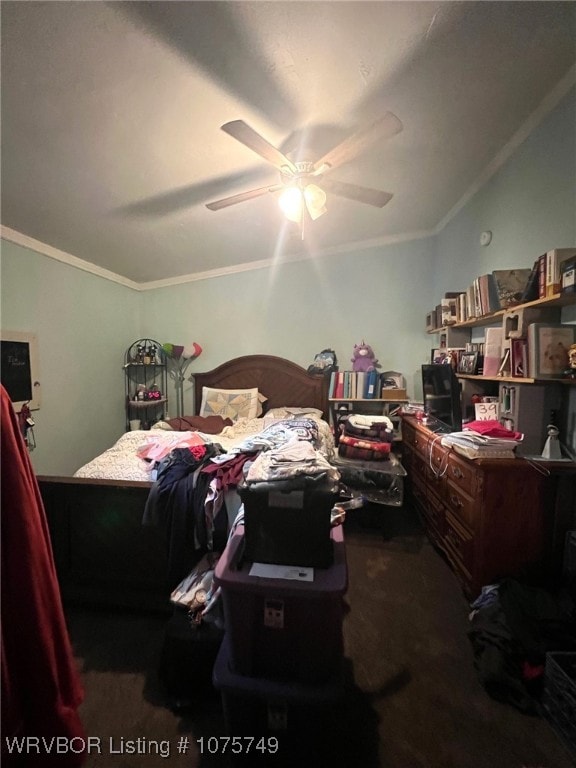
(571, 370)
(363, 358)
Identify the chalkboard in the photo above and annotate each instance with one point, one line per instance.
(19, 372)
(15, 371)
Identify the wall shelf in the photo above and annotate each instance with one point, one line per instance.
(558, 300)
(516, 379)
(145, 372)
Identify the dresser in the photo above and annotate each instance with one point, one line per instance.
(491, 518)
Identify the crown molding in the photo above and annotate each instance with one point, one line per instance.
(25, 241)
(250, 266)
(66, 258)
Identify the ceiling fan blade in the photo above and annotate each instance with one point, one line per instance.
(241, 131)
(383, 128)
(375, 197)
(240, 198)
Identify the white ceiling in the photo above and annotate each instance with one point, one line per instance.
(111, 115)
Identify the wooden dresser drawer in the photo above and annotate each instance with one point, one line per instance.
(415, 440)
(462, 474)
(438, 455)
(458, 541)
(437, 485)
(460, 504)
(417, 468)
(419, 495)
(490, 518)
(435, 515)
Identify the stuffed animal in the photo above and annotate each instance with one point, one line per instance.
(363, 358)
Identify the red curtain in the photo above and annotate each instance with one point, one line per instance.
(41, 688)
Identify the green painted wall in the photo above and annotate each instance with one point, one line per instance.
(300, 308)
(84, 324)
(529, 205)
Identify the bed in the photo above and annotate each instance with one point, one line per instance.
(104, 555)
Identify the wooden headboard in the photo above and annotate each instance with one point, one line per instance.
(281, 381)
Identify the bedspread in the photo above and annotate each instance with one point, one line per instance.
(123, 462)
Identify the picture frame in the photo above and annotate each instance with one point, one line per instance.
(19, 368)
(548, 345)
(468, 363)
(439, 356)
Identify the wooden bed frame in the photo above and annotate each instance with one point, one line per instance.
(104, 556)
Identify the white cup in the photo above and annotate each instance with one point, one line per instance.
(134, 424)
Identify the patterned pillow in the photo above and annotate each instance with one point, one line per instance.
(229, 403)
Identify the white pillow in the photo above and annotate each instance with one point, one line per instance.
(288, 411)
(229, 403)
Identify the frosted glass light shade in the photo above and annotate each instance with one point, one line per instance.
(290, 201)
(315, 200)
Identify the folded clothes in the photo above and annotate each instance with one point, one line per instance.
(371, 427)
(350, 447)
(492, 428)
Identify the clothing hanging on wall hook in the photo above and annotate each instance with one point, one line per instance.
(26, 424)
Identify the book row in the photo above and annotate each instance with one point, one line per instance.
(504, 288)
(365, 385)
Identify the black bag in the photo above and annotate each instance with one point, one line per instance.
(325, 362)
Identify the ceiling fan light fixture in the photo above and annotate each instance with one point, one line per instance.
(297, 195)
(290, 201)
(315, 198)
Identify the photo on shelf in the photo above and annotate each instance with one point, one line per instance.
(468, 363)
(439, 356)
(548, 346)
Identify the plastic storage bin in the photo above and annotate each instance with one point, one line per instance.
(559, 697)
(289, 527)
(301, 718)
(279, 628)
(186, 659)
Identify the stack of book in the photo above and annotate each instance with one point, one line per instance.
(473, 445)
(502, 289)
(354, 385)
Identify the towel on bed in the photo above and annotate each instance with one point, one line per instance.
(210, 425)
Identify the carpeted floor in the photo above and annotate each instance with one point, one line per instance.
(412, 697)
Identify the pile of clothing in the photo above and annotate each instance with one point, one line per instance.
(195, 499)
(513, 626)
(365, 438)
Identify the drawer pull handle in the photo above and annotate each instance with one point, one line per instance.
(455, 501)
(457, 472)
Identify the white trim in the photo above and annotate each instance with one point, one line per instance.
(67, 258)
(249, 266)
(54, 253)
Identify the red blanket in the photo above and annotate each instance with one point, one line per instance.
(41, 688)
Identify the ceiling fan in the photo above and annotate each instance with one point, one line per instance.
(305, 184)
